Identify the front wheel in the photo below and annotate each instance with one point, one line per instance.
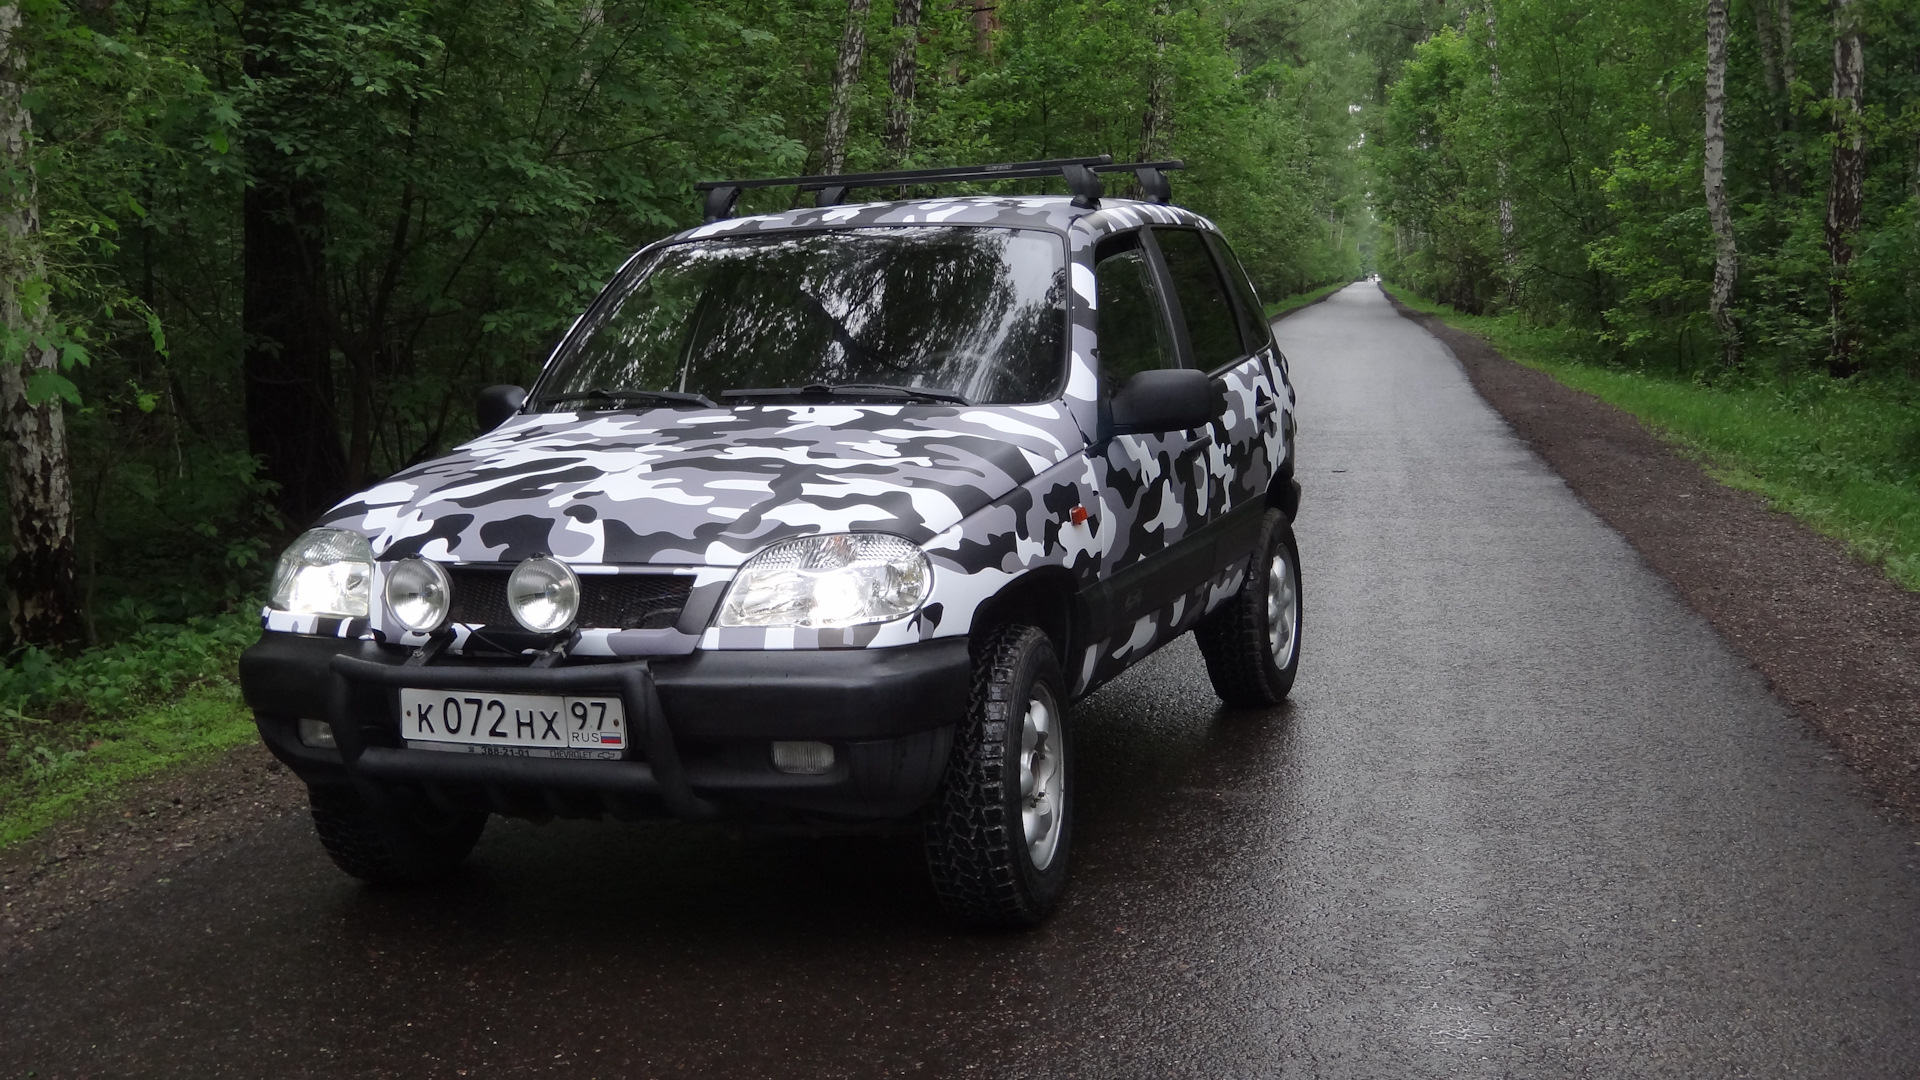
(1252, 643)
(997, 833)
(392, 845)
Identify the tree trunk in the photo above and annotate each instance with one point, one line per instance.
(1726, 265)
(1783, 26)
(287, 364)
(1847, 182)
(1764, 38)
(42, 602)
(1509, 256)
(986, 19)
(900, 79)
(1155, 121)
(853, 49)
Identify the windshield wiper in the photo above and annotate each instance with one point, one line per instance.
(671, 397)
(917, 393)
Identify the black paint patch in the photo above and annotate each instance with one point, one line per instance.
(524, 536)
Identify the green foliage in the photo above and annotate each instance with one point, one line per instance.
(72, 729)
(1594, 137)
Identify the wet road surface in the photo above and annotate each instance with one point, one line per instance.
(1526, 816)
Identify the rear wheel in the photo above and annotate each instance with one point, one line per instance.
(1252, 644)
(397, 846)
(998, 831)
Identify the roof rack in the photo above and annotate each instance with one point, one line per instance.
(1079, 173)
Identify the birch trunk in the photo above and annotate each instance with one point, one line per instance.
(1726, 265)
(853, 49)
(42, 602)
(900, 79)
(1509, 256)
(1847, 181)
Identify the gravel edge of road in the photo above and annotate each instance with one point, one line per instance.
(1836, 639)
(144, 831)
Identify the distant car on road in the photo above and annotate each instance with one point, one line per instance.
(814, 519)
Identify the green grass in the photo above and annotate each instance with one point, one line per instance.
(1841, 455)
(74, 730)
(1299, 300)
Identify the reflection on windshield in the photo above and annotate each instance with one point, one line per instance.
(975, 311)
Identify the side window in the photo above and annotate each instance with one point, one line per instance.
(1133, 331)
(1254, 329)
(1212, 329)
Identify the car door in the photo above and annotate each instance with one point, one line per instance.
(1151, 489)
(1229, 342)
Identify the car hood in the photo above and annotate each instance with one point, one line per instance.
(705, 487)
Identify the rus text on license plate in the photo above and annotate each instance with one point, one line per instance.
(516, 725)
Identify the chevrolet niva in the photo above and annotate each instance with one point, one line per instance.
(817, 519)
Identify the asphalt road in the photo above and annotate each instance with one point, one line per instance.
(1526, 816)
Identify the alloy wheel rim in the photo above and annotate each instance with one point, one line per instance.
(1042, 781)
(1283, 609)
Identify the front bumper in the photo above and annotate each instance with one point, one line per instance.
(702, 726)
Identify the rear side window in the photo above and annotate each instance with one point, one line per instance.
(1133, 329)
(1212, 328)
(1254, 327)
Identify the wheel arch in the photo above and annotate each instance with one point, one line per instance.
(1043, 597)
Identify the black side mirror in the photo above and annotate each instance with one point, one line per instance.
(497, 405)
(1165, 399)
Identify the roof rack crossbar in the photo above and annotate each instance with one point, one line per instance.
(1081, 175)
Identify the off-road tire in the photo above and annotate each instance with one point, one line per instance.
(1234, 639)
(391, 847)
(976, 844)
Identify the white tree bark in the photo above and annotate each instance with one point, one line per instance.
(1726, 264)
(853, 49)
(1846, 186)
(1508, 254)
(41, 603)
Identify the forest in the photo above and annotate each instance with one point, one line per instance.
(259, 253)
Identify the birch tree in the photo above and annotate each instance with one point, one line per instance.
(42, 604)
(846, 72)
(1725, 253)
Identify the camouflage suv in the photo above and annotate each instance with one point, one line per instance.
(814, 519)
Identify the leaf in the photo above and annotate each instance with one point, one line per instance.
(44, 386)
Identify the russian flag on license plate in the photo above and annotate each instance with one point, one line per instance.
(608, 738)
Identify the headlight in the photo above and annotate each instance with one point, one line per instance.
(325, 572)
(544, 594)
(829, 581)
(418, 593)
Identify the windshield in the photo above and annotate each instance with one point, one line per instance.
(963, 312)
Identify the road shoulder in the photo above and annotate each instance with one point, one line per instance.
(143, 832)
(1836, 639)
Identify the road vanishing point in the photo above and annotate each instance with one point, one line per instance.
(1525, 816)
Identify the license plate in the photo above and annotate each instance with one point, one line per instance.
(513, 725)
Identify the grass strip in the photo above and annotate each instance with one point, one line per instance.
(74, 729)
(1299, 300)
(1841, 455)
(201, 723)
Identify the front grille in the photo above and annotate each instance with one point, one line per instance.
(611, 601)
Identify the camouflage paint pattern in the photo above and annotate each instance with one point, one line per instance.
(987, 491)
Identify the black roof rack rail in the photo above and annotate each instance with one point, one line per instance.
(1079, 174)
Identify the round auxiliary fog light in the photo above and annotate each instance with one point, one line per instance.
(419, 594)
(544, 594)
